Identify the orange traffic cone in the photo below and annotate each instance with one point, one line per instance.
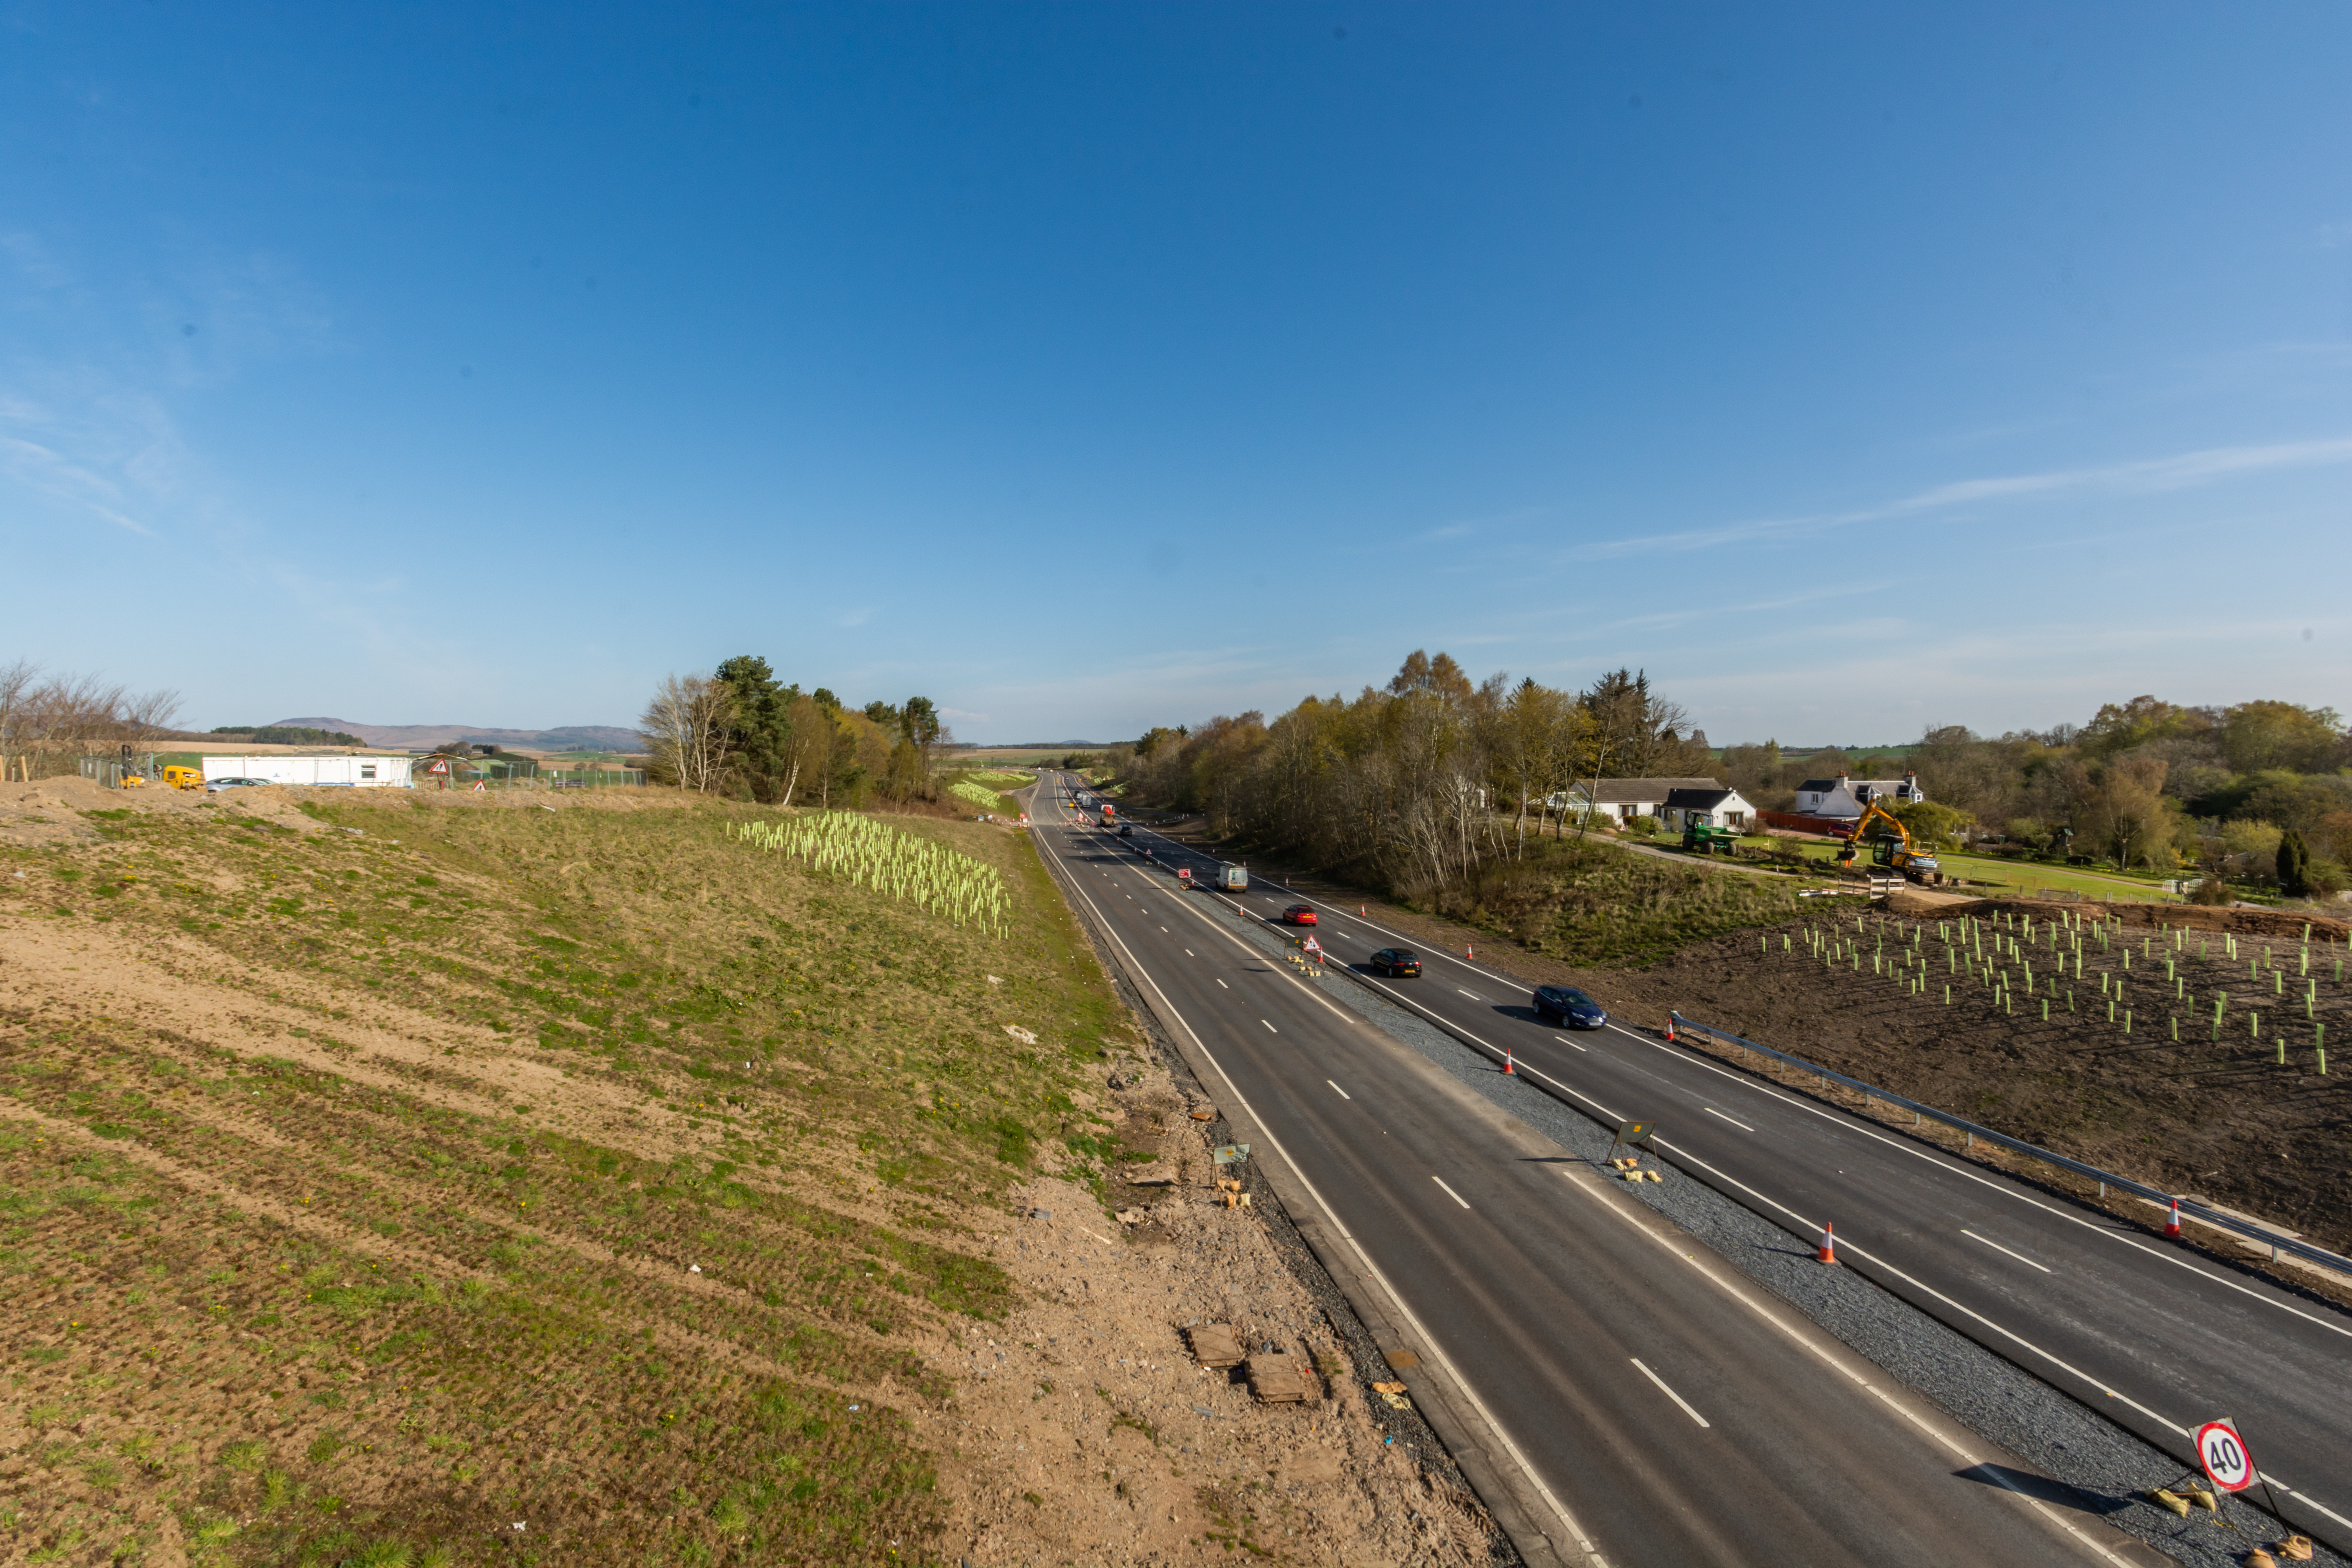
(1670, 1028)
(1468, 951)
(2172, 1220)
(1508, 1070)
(1828, 1253)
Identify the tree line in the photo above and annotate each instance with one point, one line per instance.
(740, 732)
(1419, 783)
(50, 720)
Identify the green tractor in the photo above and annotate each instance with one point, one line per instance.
(1705, 838)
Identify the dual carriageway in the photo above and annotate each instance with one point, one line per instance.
(1647, 1400)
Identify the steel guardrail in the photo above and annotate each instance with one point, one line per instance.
(2277, 1243)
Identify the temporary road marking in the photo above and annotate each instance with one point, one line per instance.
(1449, 1191)
(1564, 1040)
(1670, 1394)
(1997, 1246)
(1719, 1116)
(1343, 1093)
(1269, 1027)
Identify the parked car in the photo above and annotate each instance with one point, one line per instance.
(1572, 1008)
(1395, 961)
(1298, 915)
(232, 784)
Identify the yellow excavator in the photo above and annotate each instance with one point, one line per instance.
(1895, 850)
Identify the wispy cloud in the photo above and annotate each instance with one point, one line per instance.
(2147, 476)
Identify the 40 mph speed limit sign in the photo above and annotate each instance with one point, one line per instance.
(2223, 1454)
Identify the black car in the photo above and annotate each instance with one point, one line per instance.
(1572, 1008)
(1127, 830)
(1394, 961)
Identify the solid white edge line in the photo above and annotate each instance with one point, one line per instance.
(1584, 1542)
(1950, 1165)
(1997, 1246)
(2036, 1503)
(1670, 1394)
(1450, 1193)
(1719, 1116)
(1343, 1093)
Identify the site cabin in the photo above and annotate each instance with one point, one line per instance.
(335, 769)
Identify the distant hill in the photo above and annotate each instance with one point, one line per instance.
(425, 737)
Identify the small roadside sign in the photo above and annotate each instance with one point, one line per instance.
(1311, 945)
(1230, 1154)
(2223, 1454)
(440, 765)
(1633, 1134)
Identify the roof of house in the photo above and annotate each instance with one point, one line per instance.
(1638, 792)
(1818, 787)
(1698, 799)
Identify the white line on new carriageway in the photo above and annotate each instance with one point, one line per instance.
(1342, 1093)
(1439, 1180)
(1719, 1116)
(1997, 1246)
(1670, 1394)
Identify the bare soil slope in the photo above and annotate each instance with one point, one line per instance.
(474, 1177)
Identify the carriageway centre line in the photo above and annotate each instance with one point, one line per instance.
(1838, 1118)
(1716, 1274)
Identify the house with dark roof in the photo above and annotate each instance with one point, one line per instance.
(1846, 799)
(1711, 807)
(1626, 799)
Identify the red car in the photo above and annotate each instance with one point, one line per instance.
(1298, 915)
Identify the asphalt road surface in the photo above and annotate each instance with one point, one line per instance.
(2151, 1335)
(1669, 1410)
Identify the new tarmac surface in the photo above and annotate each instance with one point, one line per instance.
(2149, 1334)
(1666, 1408)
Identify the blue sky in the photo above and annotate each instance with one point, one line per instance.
(1086, 367)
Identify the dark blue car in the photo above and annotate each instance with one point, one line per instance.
(1572, 1008)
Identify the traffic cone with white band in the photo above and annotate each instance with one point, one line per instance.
(1828, 1253)
(2172, 1220)
(1670, 1028)
(1508, 1070)
(1468, 951)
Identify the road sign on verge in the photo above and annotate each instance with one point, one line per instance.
(1633, 1134)
(2223, 1454)
(1311, 945)
(1230, 1154)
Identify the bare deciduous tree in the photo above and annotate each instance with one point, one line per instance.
(685, 728)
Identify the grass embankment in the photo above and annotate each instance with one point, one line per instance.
(1588, 902)
(353, 1184)
(989, 790)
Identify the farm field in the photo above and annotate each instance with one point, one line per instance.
(406, 1177)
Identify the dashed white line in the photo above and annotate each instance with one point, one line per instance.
(1188, 952)
(1472, 995)
(1223, 987)
(1997, 1246)
(1719, 1116)
(1564, 1040)
(1448, 1191)
(1269, 1027)
(1342, 1093)
(1670, 1394)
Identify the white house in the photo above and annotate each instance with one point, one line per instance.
(1712, 807)
(1627, 799)
(335, 769)
(1849, 798)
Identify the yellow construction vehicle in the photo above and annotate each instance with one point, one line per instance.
(180, 777)
(1895, 850)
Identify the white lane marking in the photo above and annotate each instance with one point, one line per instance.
(1950, 1168)
(1670, 1394)
(1718, 1115)
(1343, 1093)
(1449, 1191)
(1564, 1040)
(1165, 931)
(1223, 987)
(1997, 1246)
(1472, 995)
(1584, 1542)
(1188, 952)
(1269, 1027)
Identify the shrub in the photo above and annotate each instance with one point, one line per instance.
(2294, 865)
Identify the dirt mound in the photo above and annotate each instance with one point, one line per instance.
(2276, 924)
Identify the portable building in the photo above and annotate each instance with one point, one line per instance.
(333, 769)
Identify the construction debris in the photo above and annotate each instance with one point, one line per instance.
(1214, 1345)
(1278, 1377)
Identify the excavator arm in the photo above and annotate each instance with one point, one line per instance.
(1909, 858)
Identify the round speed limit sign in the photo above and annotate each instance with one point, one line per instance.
(2223, 1454)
